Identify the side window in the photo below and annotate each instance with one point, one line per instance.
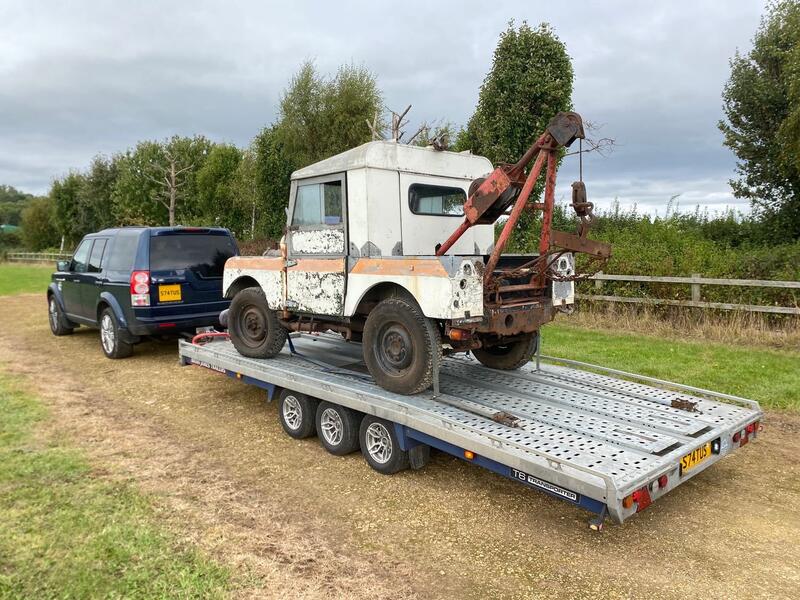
(122, 252)
(318, 204)
(80, 259)
(96, 257)
(438, 200)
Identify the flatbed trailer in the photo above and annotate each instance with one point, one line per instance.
(608, 441)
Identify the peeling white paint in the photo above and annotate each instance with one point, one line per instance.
(318, 241)
(317, 293)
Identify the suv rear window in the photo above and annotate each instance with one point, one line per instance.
(205, 255)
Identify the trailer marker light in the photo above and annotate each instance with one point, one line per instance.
(627, 502)
(736, 437)
(469, 454)
(460, 334)
(662, 481)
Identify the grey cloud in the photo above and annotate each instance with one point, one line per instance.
(77, 79)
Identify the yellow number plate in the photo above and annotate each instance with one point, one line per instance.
(169, 293)
(695, 457)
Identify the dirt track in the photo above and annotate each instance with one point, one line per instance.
(296, 521)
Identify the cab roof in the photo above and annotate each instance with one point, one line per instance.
(393, 156)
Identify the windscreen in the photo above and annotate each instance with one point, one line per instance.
(204, 255)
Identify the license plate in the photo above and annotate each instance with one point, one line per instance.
(169, 293)
(695, 457)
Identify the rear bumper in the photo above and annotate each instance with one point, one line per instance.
(160, 324)
(513, 320)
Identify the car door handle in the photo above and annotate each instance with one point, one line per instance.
(98, 282)
(75, 280)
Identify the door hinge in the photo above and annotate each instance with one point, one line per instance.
(291, 263)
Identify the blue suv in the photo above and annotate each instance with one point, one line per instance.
(139, 281)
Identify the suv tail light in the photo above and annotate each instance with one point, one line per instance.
(140, 288)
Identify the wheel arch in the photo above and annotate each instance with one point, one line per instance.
(240, 283)
(381, 291)
(108, 300)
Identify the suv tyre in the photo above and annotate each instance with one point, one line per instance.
(110, 340)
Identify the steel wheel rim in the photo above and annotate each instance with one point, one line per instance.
(107, 333)
(379, 443)
(394, 348)
(292, 412)
(53, 315)
(252, 325)
(330, 422)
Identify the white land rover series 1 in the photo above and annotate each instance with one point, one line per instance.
(364, 255)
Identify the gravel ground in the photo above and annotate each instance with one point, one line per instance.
(298, 522)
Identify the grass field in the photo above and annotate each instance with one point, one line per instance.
(68, 534)
(24, 278)
(770, 376)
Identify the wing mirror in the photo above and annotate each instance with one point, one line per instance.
(62, 265)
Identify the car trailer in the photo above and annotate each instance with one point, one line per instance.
(608, 441)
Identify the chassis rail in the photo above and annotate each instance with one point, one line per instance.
(606, 440)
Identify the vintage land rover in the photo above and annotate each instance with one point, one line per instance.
(366, 253)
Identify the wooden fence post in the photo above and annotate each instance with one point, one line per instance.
(696, 289)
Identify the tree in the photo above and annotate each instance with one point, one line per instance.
(12, 202)
(320, 117)
(156, 182)
(38, 225)
(96, 206)
(530, 81)
(65, 194)
(272, 170)
(761, 101)
(216, 194)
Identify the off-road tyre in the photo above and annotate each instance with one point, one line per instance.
(110, 336)
(400, 346)
(254, 329)
(509, 357)
(297, 414)
(59, 324)
(337, 428)
(381, 447)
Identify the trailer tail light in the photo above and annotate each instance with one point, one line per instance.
(627, 501)
(662, 482)
(736, 437)
(140, 288)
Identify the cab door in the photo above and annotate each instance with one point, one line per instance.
(317, 246)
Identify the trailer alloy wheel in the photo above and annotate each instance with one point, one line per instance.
(380, 446)
(254, 328)
(296, 413)
(57, 319)
(511, 356)
(337, 428)
(399, 345)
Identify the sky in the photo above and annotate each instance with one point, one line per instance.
(81, 78)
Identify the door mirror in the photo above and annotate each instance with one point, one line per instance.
(62, 265)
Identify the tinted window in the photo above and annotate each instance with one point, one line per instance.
(424, 199)
(95, 259)
(205, 255)
(81, 257)
(318, 204)
(122, 253)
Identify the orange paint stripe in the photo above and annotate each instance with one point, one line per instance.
(319, 265)
(259, 263)
(400, 266)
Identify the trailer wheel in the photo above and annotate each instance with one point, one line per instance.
(399, 345)
(508, 357)
(297, 414)
(254, 328)
(380, 446)
(337, 428)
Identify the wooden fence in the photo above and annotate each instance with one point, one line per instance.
(696, 282)
(37, 256)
